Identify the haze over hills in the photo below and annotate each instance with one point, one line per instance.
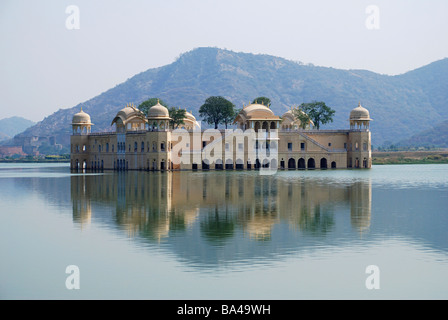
(434, 137)
(9, 127)
(400, 105)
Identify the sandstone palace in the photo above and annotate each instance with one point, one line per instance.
(261, 140)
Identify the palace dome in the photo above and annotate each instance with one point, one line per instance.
(81, 118)
(288, 114)
(190, 116)
(158, 111)
(289, 118)
(360, 113)
(256, 110)
(127, 113)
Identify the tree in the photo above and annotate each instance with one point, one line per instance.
(302, 116)
(216, 110)
(147, 104)
(262, 100)
(229, 114)
(177, 116)
(318, 112)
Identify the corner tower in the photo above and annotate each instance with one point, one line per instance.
(359, 139)
(79, 141)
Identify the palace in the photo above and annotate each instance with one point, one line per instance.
(261, 140)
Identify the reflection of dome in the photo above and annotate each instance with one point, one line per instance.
(81, 118)
(360, 113)
(158, 111)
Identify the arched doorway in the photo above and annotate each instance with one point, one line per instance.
(333, 165)
(239, 164)
(323, 163)
(311, 163)
(229, 164)
(218, 164)
(291, 163)
(205, 164)
(301, 163)
(265, 126)
(265, 163)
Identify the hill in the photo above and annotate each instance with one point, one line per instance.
(436, 137)
(9, 127)
(400, 105)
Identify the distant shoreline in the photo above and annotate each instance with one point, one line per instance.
(33, 161)
(409, 157)
(378, 158)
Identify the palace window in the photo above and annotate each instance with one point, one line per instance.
(302, 146)
(289, 146)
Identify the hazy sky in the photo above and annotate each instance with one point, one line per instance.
(45, 66)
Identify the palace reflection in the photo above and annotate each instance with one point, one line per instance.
(155, 206)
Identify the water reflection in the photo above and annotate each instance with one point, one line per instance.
(214, 217)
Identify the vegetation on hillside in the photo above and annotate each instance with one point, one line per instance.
(436, 137)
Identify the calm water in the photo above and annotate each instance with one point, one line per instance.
(224, 235)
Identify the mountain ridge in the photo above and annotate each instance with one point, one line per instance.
(11, 126)
(400, 105)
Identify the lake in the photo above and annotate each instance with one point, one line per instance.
(314, 234)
